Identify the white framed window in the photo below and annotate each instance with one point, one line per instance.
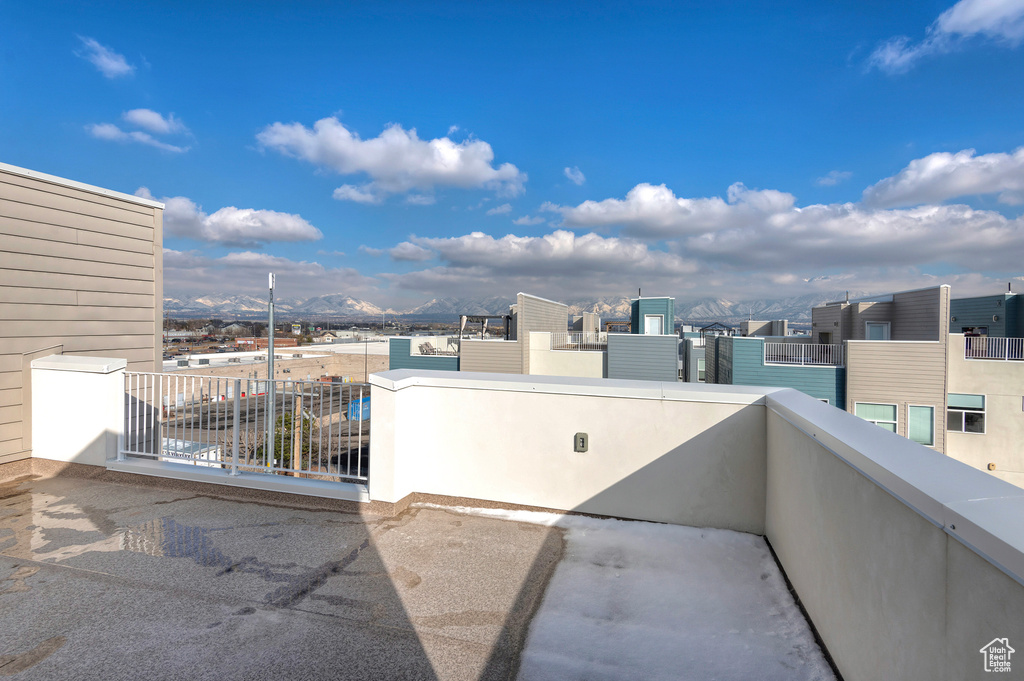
(921, 424)
(883, 415)
(876, 330)
(700, 369)
(654, 324)
(965, 413)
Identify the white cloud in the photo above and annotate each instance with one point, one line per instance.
(650, 211)
(110, 63)
(999, 20)
(833, 178)
(560, 265)
(373, 252)
(575, 175)
(397, 161)
(111, 133)
(365, 194)
(230, 225)
(941, 176)
(410, 252)
(420, 199)
(503, 209)
(818, 237)
(193, 272)
(154, 121)
(527, 220)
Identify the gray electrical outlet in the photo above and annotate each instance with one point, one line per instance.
(579, 442)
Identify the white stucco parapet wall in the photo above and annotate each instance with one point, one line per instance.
(979, 510)
(567, 385)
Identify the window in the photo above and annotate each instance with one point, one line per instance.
(966, 413)
(876, 330)
(700, 369)
(921, 425)
(883, 415)
(653, 324)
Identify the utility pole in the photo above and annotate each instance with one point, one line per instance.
(271, 398)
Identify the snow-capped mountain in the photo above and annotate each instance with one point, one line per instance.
(339, 305)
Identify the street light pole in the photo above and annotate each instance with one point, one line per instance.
(271, 398)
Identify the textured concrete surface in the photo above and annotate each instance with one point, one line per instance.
(107, 580)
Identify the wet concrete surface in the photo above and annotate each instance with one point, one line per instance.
(103, 580)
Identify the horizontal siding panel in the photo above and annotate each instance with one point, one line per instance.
(10, 361)
(12, 446)
(36, 329)
(644, 358)
(50, 216)
(10, 414)
(491, 357)
(49, 188)
(46, 263)
(96, 344)
(70, 235)
(77, 205)
(116, 299)
(73, 282)
(10, 396)
(37, 230)
(10, 379)
(11, 431)
(10, 312)
(113, 241)
(37, 296)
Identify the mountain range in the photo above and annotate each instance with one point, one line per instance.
(342, 307)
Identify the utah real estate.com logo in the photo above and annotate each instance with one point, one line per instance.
(997, 655)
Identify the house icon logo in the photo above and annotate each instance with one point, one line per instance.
(997, 655)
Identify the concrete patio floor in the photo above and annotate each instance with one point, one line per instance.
(168, 580)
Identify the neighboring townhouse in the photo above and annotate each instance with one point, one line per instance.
(985, 411)
(81, 272)
(540, 343)
(882, 358)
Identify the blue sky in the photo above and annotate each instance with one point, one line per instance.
(398, 152)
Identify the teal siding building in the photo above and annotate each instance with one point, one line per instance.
(400, 357)
(644, 311)
(999, 316)
(740, 361)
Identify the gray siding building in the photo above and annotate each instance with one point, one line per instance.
(81, 273)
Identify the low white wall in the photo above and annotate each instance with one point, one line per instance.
(675, 453)
(77, 408)
(907, 562)
(547, 362)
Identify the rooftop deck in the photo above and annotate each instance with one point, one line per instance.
(117, 577)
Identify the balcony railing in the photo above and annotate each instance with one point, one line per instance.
(435, 346)
(579, 341)
(981, 347)
(804, 354)
(318, 430)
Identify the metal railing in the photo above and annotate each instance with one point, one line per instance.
(804, 354)
(983, 347)
(579, 341)
(305, 429)
(435, 346)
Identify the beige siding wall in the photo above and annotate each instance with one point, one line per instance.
(538, 314)
(921, 315)
(900, 373)
(81, 272)
(827, 319)
(501, 357)
(1002, 384)
(862, 313)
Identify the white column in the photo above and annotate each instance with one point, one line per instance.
(77, 408)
